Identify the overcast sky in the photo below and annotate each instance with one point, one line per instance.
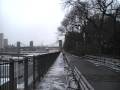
(25, 20)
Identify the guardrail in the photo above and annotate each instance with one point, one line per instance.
(23, 73)
(83, 84)
(82, 80)
(109, 62)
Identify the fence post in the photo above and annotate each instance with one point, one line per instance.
(0, 75)
(26, 73)
(11, 75)
(34, 72)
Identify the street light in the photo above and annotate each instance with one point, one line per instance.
(84, 42)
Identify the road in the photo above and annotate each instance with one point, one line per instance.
(99, 77)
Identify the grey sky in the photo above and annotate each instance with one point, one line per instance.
(25, 20)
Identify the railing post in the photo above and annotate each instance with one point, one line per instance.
(11, 75)
(0, 75)
(34, 74)
(26, 74)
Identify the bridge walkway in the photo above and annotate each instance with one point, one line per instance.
(55, 78)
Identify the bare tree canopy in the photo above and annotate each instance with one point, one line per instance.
(96, 22)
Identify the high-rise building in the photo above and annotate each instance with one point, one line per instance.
(18, 44)
(1, 40)
(60, 44)
(5, 43)
(18, 47)
(31, 43)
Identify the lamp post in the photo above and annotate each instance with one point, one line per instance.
(84, 42)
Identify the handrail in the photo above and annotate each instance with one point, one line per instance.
(83, 83)
(102, 58)
(110, 62)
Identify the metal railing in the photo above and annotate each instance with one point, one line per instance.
(4, 74)
(23, 73)
(109, 62)
(13, 73)
(82, 80)
(82, 83)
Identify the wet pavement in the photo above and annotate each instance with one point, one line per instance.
(55, 79)
(100, 77)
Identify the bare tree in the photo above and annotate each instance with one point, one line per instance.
(88, 15)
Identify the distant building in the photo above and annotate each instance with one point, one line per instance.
(18, 47)
(1, 40)
(5, 43)
(18, 44)
(60, 44)
(31, 43)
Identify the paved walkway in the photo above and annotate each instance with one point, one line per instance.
(55, 79)
(100, 77)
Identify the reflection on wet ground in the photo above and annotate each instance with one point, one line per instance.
(55, 79)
